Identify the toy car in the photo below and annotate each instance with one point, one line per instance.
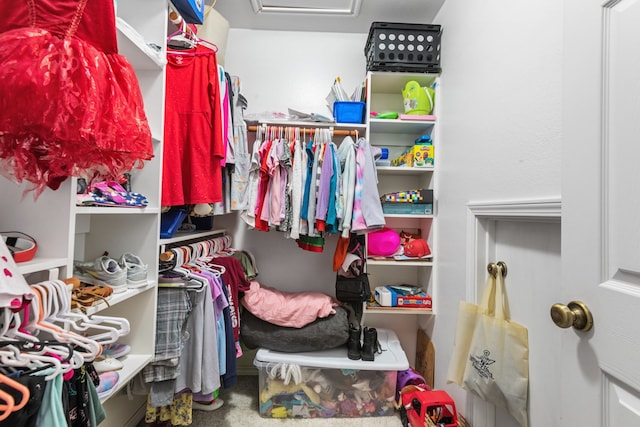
(426, 408)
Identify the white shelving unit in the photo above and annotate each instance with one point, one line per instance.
(384, 94)
(65, 232)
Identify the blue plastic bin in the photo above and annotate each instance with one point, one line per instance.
(348, 111)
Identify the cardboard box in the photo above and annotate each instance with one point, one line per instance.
(192, 11)
(330, 384)
(407, 208)
(408, 196)
(417, 156)
(402, 296)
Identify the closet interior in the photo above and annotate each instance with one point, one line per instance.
(198, 263)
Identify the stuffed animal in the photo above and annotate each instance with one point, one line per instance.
(416, 248)
(274, 387)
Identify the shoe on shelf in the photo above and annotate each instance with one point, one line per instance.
(104, 271)
(207, 406)
(116, 350)
(89, 295)
(136, 270)
(108, 381)
(104, 364)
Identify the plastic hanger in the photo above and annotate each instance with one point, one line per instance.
(59, 310)
(7, 406)
(20, 388)
(93, 348)
(33, 361)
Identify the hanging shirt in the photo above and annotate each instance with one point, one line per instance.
(347, 156)
(193, 131)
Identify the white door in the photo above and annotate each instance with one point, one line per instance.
(600, 378)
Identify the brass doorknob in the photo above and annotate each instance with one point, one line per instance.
(575, 314)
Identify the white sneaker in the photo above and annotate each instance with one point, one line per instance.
(136, 270)
(106, 364)
(103, 271)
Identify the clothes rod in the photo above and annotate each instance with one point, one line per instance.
(338, 132)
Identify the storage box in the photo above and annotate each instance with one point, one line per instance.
(348, 111)
(170, 221)
(192, 11)
(403, 47)
(422, 195)
(398, 296)
(407, 208)
(417, 156)
(327, 384)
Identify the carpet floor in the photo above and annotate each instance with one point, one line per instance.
(240, 409)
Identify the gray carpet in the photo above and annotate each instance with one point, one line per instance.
(241, 409)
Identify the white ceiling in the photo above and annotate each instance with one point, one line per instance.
(240, 14)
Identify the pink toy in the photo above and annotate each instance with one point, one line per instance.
(384, 242)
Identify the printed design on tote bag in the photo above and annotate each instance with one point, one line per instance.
(482, 363)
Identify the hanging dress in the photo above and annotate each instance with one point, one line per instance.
(69, 103)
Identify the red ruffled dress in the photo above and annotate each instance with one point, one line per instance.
(70, 105)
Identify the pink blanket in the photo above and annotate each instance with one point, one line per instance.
(295, 309)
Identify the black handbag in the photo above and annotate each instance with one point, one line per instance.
(353, 289)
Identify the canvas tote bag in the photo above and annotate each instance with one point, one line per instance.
(468, 314)
(497, 369)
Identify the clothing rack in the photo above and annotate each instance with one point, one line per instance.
(197, 247)
(309, 129)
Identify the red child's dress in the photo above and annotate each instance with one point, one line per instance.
(70, 105)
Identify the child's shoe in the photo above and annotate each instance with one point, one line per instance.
(136, 270)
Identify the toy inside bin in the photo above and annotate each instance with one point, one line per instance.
(349, 111)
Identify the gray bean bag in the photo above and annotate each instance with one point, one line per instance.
(321, 334)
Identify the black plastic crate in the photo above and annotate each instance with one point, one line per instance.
(403, 47)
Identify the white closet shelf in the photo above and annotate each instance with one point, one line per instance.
(403, 170)
(309, 124)
(133, 363)
(41, 264)
(408, 216)
(116, 298)
(131, 44)
(399, 310)
(371, 262)
(108, 210)
(184, 236)
(401, 126)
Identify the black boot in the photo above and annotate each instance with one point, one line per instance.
(353, 345)
(369, 344)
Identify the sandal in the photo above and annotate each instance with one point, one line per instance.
(87, 296)
(111, 193)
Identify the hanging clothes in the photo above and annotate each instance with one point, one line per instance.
(238, 153)
(367, 210)
(71, 105)
(193, 131)
(347, 158)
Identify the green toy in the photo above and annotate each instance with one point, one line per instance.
(417, 99)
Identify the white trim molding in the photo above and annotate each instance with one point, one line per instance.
(481, 245)
(541, 209)
(308, 7)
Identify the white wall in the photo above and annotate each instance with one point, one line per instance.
(500, 129)
(280, 70)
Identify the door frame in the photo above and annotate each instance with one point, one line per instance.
(481, 245)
